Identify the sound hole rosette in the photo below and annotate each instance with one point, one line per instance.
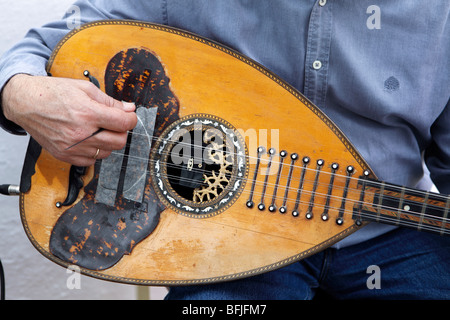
(194, 133)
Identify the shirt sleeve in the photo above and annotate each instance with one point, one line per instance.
(437, 155)
(30, 55)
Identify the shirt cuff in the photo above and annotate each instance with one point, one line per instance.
(7, 125)
(10, 126)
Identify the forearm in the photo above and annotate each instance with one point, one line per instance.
(30, 55)
(58, 112)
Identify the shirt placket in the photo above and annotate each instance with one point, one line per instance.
(318, 53)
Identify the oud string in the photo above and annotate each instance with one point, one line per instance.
(295, 179)
(349, 201)
(306, 192)
(324, 196)
(286, 163)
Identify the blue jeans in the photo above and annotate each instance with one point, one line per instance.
(401, 264)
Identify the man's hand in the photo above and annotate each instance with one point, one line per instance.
(59, 112)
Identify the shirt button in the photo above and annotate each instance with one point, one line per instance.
(322, 2)
(317, 65)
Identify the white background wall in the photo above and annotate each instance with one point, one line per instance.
(28, 274)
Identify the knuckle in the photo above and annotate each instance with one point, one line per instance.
(89, 162)
(123, 140)
(119, 142)
(59, 156)
(122, 125)
(127, 122)
(77, 134)
(106, 154)
(88, 86)
(84, 162)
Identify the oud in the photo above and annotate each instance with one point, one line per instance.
(191, 199)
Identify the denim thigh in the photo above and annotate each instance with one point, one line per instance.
(402, 264)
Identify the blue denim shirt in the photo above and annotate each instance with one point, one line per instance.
(378, 69)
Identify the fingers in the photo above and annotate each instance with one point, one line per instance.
(95, 148)
(97, 154)
(112, 114)
(115, 119)
(84, 156)
(107, 141)
(60, 112)
(87, 159)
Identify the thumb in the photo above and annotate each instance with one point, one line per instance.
(116, 118)
(109, 101)
(113, 114)
(128, 106)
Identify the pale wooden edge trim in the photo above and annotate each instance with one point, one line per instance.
(265, 71)
(168, 283)
(231, 52)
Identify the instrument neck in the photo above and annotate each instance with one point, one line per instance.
(397, 205)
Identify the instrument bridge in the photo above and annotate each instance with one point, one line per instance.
(289, 183)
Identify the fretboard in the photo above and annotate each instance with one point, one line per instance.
(406, 207)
